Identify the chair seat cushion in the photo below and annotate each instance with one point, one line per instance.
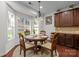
(28, 45)
(47, 45)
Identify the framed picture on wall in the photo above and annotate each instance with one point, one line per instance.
(48, 20)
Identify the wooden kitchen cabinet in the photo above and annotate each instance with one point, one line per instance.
(76, 41)
(65, 39)
(69, 40)
(61, 39)
(57, 20)
(76, 17)
(66, 18)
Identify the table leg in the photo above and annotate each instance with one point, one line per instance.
(35, 48)
(41, 42)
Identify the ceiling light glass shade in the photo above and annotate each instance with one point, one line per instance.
(41, 7)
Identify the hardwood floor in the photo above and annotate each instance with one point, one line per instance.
(62, 50)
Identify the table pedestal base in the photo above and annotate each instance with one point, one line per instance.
(36, 50)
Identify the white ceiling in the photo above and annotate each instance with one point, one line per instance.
(21, 8)
(48, 6)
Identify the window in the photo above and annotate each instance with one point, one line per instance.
(36, 26)
(11, 25)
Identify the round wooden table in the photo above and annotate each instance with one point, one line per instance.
(35, 39)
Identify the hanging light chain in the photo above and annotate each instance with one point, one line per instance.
(39, 9)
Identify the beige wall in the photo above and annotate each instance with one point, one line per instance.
(67, 29)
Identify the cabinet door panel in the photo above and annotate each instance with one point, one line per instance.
(76, 41)
(66, 18)
(61, 39)
(76, 17)
(57, 20)
(69, 40)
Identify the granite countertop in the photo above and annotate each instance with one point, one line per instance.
(68, 32)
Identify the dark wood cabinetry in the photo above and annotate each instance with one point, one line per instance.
(67, 18)
(57, 20)
(69, 40)
(61, 39)
(76, 17)
(76, 41)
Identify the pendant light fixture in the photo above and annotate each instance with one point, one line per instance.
(39, 13)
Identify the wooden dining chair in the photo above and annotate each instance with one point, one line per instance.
(51, 46)
(52, 36)
(24, 45)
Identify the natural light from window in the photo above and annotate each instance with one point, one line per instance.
(11, 26)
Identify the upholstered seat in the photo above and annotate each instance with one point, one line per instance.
(24, 45)
(51, 46)
(47, 45)
(28, 45)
